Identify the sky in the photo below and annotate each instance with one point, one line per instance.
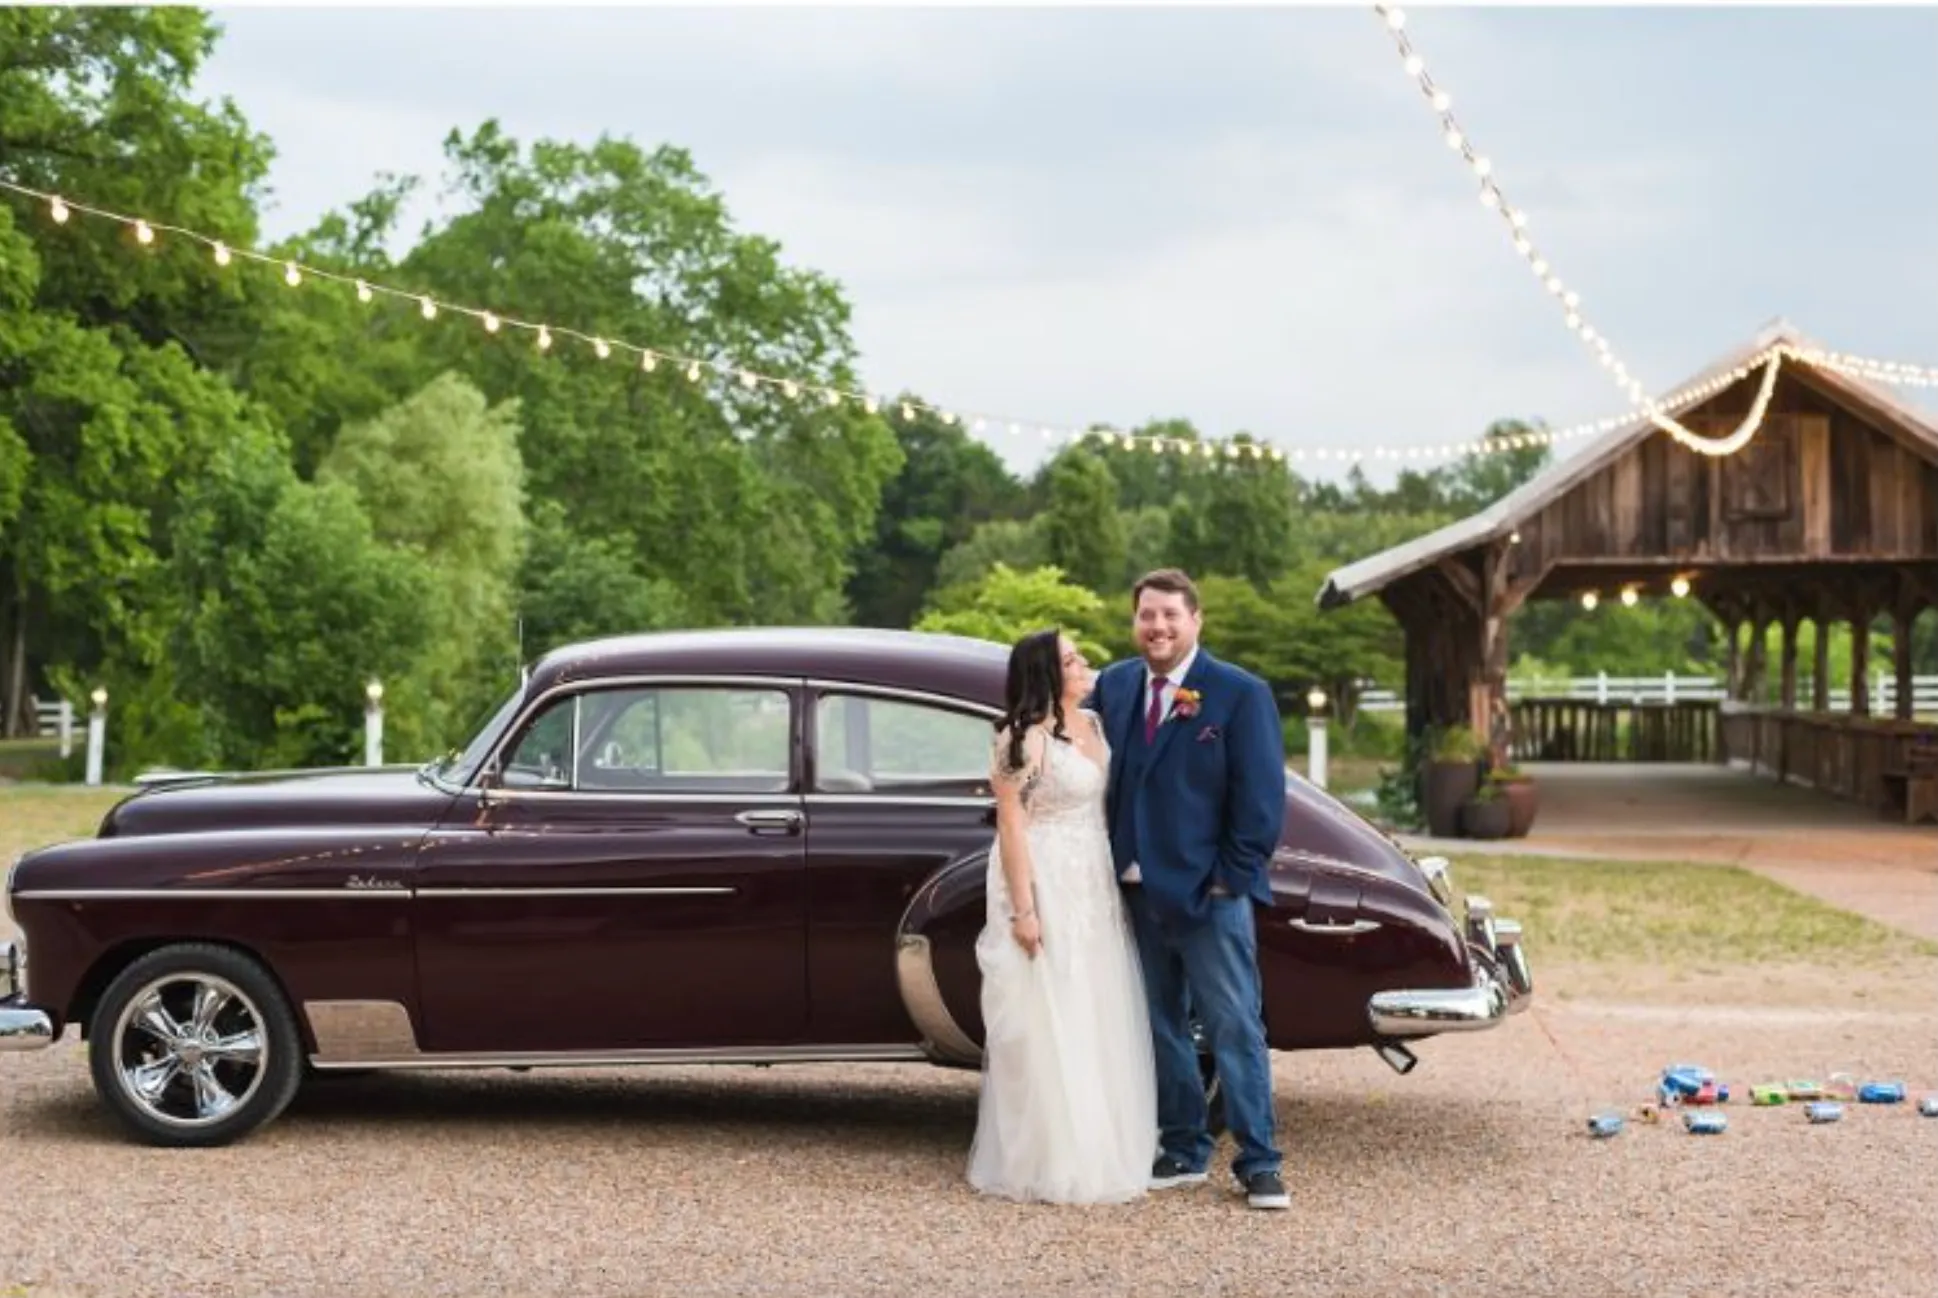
(1244, 216)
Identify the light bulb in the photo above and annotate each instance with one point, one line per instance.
(143, 234)
(601, 348)
(870, 405)
(363, 291)
(1455, 139)
(648, 362)
(221, 254)
(1396, 18)
(291, 275)
(748, 379)
(834, 398)
(490, 323)
(1490, 197)
(1680, 587)
(693, 372)
(1574, 321)
(544, 338)
(1540, 267)
(790, 389)
(1415, 65)
(1519, 219)
(427, 308)
(1572, 298)
(1554, 284)
(907, 413)
(57, 210)
(1442, 101)
(1629, 597)
(1589, 599)
(1483, 167)
(949, 418)
(1521, 245)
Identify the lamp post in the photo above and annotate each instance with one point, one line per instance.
(97, 734)
(373, 724)
(1315, 727)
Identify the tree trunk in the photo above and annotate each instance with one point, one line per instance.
(16, 718)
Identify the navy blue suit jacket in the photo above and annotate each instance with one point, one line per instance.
(1205, 803)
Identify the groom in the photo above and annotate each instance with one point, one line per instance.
(1196, 802)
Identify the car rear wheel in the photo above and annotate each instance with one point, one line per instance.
(193, 1045)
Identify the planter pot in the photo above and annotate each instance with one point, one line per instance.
(1444, 787)
(1523, 798)
(1490, 819)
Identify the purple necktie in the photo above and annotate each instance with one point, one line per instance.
(1156, 713)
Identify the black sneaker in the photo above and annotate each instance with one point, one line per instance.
(1266, 1190)
(1168, 1171)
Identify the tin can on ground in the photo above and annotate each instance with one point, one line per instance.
(1823, 1111)
(1706, 1123)
(1686, 1080)
(1651, 1114)
(1881, 1093)
(1769, 1093)
(1929, 1106)
(1604, 1125)
(1842, 1086)
(1804, 1090)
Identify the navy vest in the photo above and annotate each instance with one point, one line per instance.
(1123, 829)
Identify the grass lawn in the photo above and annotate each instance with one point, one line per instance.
(34, 815)
(1635, 929)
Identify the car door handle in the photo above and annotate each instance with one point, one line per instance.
(770, 819)
(1358, 926)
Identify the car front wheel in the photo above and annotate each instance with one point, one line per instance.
(193, 1046)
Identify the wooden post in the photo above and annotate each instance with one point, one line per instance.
(1901, 619)
(1758, 656)
(1861, 661)
(1820, 653)
(1788, 695)
(1733, 660)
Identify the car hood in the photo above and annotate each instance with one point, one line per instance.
(389, 796)
(1323, 832)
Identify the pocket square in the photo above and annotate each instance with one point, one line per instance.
(1208, 734)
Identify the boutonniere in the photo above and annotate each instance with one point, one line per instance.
(1185, 704)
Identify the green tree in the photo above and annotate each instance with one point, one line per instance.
(108, 403)
(1240, 522)
(949, 485)
(439, 476)
(1006, 605)
(1083, 530)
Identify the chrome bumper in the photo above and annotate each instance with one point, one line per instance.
(1501, 985)
(21, 1026)
(24, 1028)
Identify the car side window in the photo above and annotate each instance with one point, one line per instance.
(542, 758)
(866, 744)
(687, 739)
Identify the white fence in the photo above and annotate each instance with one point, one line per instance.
(1670, 688)
(55, 720)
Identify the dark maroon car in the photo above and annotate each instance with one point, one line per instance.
(745, 846)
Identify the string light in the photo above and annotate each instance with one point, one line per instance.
(60, 211)
(1679, 587)
(1630, 596)
(1576, 321)
(1589, 599)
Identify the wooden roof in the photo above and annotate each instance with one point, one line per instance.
(1875, 404)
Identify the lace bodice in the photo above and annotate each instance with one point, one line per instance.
(1068, 786)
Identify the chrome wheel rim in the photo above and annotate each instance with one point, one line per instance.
(189, 1049)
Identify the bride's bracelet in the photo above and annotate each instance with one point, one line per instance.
(1020, 915)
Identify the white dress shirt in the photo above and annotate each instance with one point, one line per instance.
(1170, 694)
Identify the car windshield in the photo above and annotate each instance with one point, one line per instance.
(457, 763)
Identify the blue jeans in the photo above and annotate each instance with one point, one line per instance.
(1211, 967)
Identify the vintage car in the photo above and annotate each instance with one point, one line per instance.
(736, 846)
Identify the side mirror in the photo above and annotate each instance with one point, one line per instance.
(491, 785)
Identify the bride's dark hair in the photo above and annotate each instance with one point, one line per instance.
(1034, 691)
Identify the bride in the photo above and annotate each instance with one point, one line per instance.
(1068, 1112)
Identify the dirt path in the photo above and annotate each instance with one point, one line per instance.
(849, 1181)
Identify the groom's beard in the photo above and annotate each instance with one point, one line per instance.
(1171, 658)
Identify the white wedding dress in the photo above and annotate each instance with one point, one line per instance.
(1068, 1112)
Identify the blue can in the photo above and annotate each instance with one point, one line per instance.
(1881, 1093)
(1929, 1106)
(1604, 1125)
(1686, 1080)
(1705, 1122)
(1823, 1111)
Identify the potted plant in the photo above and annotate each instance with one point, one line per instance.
(1487, 814)
(1523, 798)
(1449, 777)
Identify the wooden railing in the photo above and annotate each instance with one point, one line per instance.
(1879, 762)
(1578, 730)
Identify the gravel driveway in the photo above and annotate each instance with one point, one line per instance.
(1471, 1175)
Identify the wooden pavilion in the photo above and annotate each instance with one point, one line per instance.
(1827, 513)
